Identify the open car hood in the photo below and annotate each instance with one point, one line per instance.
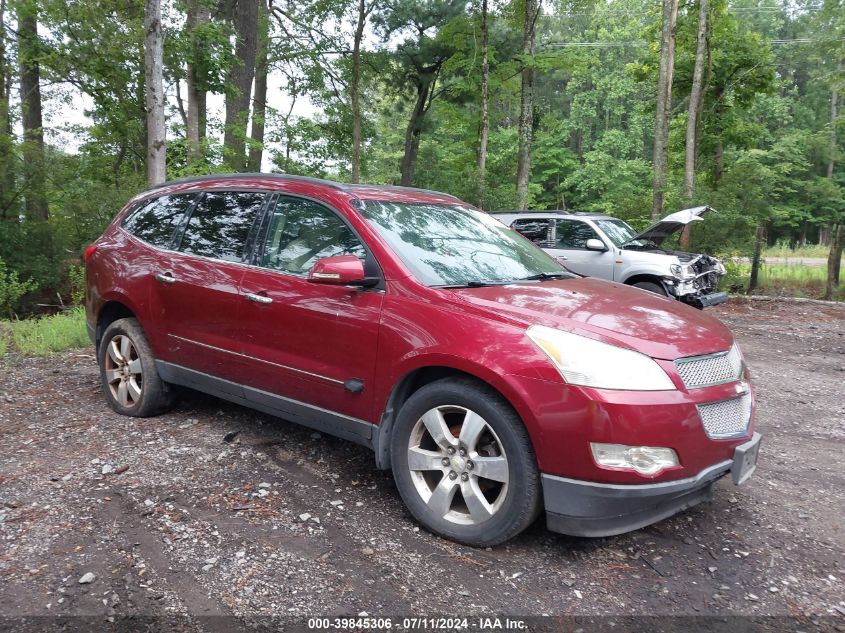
(670, 225)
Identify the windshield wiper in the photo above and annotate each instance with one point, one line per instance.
(543, 276)
(474, 283)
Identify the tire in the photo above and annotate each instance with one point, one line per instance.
(651, 286)
(445, 484)
(127, 370)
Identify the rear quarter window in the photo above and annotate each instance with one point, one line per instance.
(155, 221)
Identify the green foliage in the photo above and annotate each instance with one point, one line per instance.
(50, 334)
(12, 289)
(76, 276)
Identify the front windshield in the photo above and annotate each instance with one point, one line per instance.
(451, 245)
(618, 231)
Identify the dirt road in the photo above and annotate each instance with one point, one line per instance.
(214, 510)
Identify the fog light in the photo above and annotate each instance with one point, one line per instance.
(646, 460)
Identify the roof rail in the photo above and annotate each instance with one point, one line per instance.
(253, 175)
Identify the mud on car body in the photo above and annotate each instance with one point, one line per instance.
(598, 245)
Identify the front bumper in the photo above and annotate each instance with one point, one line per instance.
(701, 300)
(582, 508)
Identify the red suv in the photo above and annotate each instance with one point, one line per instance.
(491, 381)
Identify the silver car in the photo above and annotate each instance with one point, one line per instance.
(598, 245)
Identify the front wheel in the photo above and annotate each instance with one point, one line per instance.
(651, 286)
(127, 369)
(463, 463)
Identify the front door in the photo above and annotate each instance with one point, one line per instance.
(309, 343)
(570, 249)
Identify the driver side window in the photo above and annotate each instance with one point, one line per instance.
(301, 232)
(573, 234)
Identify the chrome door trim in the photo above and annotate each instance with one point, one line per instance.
(260, 360)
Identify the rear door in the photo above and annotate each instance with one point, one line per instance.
(570, 248)
(196, 291)
(306, 342)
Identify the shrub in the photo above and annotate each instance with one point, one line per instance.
(12, 289)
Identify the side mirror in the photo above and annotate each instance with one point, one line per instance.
(340, 270)
(595, 245)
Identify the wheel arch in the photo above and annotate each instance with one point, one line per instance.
(111, 311)
(633, 279)
(417, 378)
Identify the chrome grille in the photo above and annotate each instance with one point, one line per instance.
(727, 417)
(714, 369)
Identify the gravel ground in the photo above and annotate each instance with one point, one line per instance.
(215, 510)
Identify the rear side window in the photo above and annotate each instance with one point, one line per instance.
(535, 230)
(220, 224)
(574, 234)
(155, 220)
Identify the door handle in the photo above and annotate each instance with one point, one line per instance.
(165, 277)
(561, 258)
(251, 296)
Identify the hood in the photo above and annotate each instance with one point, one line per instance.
(671, 224)
(659, 327)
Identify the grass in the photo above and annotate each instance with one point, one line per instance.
(782, 249)
(786, 280)
(47, 335)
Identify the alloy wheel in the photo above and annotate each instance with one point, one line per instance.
(124, 373)
(458, 465)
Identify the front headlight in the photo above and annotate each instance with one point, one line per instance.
(682, 272)
(590, 363)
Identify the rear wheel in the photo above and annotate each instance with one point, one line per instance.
(651, 286)
(127, 369)
(464, 464)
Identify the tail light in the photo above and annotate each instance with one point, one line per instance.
(88, 252)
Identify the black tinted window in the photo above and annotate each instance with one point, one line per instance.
(155, 220)
(535, 230)
(220, 224)
(301, 232)
(574, 234)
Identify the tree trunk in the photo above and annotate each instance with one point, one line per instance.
(7, 181)
(259, 102)
(197, 16)
(154, 93)
(425, 86)
(718, 163)
(834, 98)
(834, 260)
(664, 107)
(759, 240)
(835, 255)
(695, 102)
(354, 91)
(33, 132)
(240, 76)
(484, 130)
(526, 112)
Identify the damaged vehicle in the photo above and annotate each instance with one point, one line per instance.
(598, 245)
